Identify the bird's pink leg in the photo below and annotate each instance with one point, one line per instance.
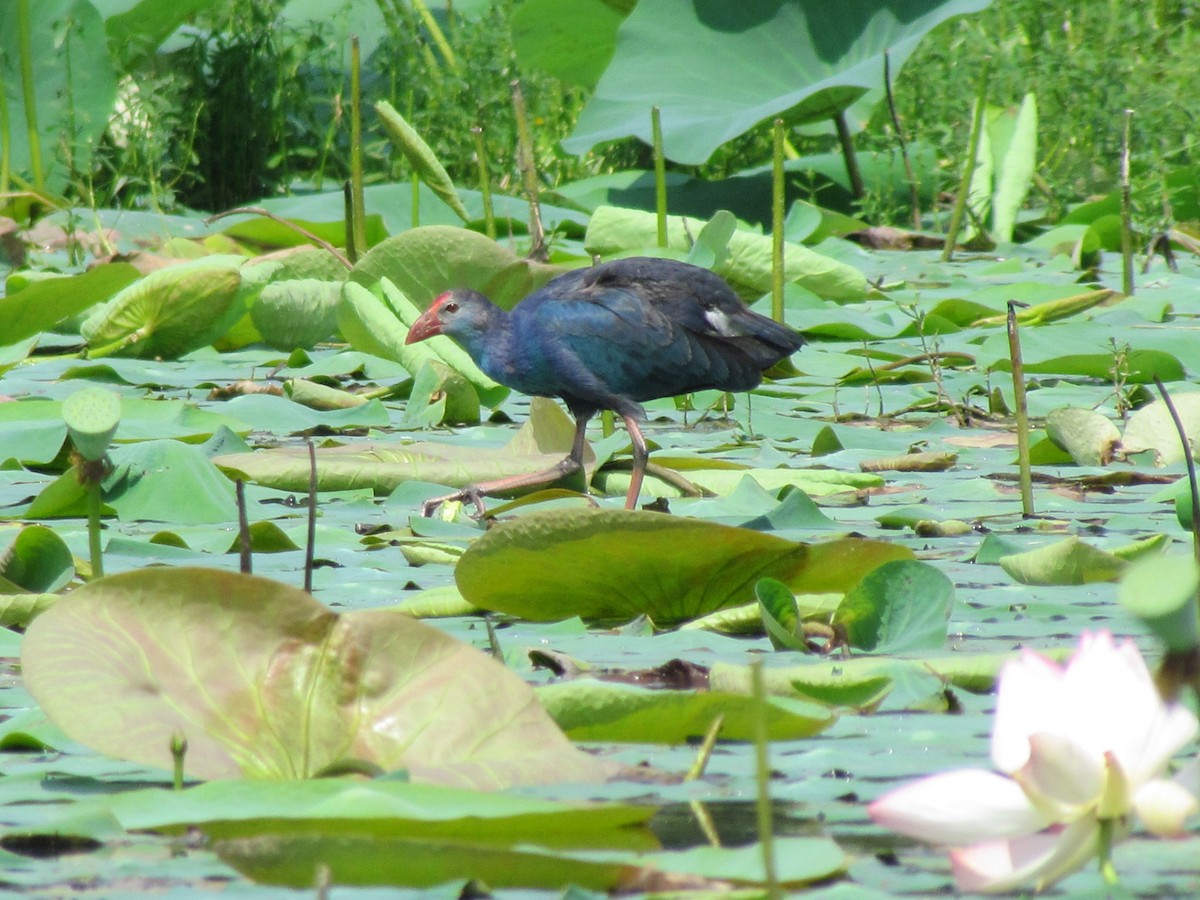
(476, 492)
(641, 455)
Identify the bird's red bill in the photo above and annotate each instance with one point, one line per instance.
(426, 326)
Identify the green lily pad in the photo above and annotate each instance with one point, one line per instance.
(900, 607)
(36, 560)
(1089, 437)
(542, 442)
(613, 230)
(263, 681)
(591, 710)
(1069, 561)
(169, 312)
(423, 262)
(609, 564)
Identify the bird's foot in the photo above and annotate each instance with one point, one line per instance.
(470, 493)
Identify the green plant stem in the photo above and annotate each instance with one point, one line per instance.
(436, 34)
(179, 746)
(24, 40)
(5, 140)
(416, 200)
(527, 163)
(95, 501)
(1022, 409)
(348, 223)
(266, 213)
(1104, 845)
(245, 549)
(777, 217)
(358, 203)
(846, 141)
(660, 175)
(1126, 212)
(1189, 460)
(485, 182)
(704, 754)
(964, 186)
(762, 771)
(914, 193)
(311, 541)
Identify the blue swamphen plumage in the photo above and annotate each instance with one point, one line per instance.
(608, 337)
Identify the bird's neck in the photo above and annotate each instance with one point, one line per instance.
(491, 347)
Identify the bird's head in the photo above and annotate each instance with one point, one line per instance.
(455, 314)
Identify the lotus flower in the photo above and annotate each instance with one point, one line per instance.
(1079, 747)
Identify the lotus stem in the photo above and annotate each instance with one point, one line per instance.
(1126, 212)
(964, 186)
(914, 194)
(25, 50)
(485, 182)
(304, 232)
(527, 163)
(857, 189)
(1188, 456)
(179, 746)
(777, 218)
(348, 220)
(706, 749)
(358, 200)
(436, 34)
(311, 538)
(762, 779)
(1022, 408)
(660, 174)
(416, 200)
(95, 501)
(245, 554)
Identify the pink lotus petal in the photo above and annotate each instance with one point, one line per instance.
(1164, 805)
(958, 808)
(1041, 858)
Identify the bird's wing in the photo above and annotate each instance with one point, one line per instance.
(697, 300)
(607, 345)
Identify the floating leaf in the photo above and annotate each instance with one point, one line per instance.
(900, 607)
(41, 305)
(265, 682)
(441, 396)
(1069, 561)
(37, 560)
(1089, 437)
(608, 564)
(1151, 428)
(423, 262)
(613, 230)
(296, 313)
(377, 321)
(541, 443)
(780, 615)
(169, 312)
(1161, 591)
(591, 710)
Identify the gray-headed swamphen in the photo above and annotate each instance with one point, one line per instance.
(608, 337)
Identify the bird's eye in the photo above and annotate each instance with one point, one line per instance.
(450, 306)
